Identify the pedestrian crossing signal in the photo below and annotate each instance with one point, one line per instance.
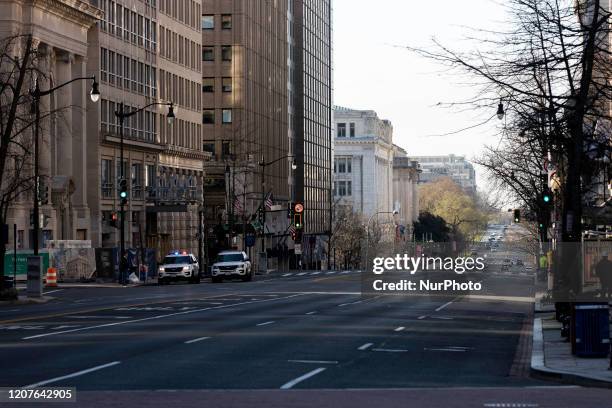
(297, 221)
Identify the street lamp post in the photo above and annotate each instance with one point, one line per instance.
(122, 115)
(36, 93)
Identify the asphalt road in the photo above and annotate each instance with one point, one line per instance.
(304, 339)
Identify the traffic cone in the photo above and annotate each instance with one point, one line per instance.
(51, 278)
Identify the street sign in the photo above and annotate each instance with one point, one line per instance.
(297, 249)
(298, 208)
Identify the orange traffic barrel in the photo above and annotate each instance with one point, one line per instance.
(51, 278)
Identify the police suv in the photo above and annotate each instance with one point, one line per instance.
(179, 266)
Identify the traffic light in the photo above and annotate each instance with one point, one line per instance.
(123, 193)
(298, 211)
(517, 215)
(43, 192)
(113, 220)
(297, 221)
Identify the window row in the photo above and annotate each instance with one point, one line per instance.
(341, 129)
(208, 84)
(208, 53)
(179, 90)
(179, 49)
(185, 11)
(139, 175)
(208, 21)
(208, 116)
(129, 25)
(343, 165)
(142, 126)
(124, 72)
(181, 133)
(343, 188)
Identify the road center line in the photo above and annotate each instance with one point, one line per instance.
(298, 380)
(77, 374)
(390, 350)
(144, 319)
(399, 329)
(365, 346)
(196, 340)
(422, 317)
(265, 323)
(311, 313)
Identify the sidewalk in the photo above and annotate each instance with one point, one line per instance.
(551, 357)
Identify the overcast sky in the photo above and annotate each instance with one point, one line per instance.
(371, 73)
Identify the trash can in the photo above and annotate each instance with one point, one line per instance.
(592, 329)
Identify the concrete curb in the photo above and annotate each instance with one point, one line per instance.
(23, 300)
(540, 370)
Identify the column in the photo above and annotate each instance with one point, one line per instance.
(80, 90)
(64, 61)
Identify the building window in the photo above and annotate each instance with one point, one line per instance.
(106, 178)
(136, 176)
(343, 165)
(208, 22)
(208, 84)
(226, 85)
(226, 21)
(341, 130)
(209, 147)
(208, 53)
(226, 52)
(226, 116)
(150, 175)
(208, 117)
(352, 129)
(225, 150)
(343, 188)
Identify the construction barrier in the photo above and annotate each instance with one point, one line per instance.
(51, 278)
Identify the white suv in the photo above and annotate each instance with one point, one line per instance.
(232, 264)
(179, 266)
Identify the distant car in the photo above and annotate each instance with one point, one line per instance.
(232, 264)
(473, 253)
(528, 268)
(505, 267)
(178, 266)
(519, 262)
(507, 261)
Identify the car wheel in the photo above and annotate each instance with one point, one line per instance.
(198, 278)
(217, 279)
(248, 277)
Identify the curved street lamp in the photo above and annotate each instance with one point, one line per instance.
(36, 93)
(122, 115)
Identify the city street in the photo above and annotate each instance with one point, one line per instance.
(298, 330)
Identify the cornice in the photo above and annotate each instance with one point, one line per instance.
(77, 11)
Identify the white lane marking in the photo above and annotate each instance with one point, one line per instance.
(350, 303)
(77, 374)
(330, 272)
(265, 323)
(99, 317)
(298, 380)
(313, 361)
(287, 274)
(442, 317)
(344, 272)
(311, 313)
(196, 340)
(52, 291)
(444, 305)
(390, 350)
(452, 349)
(144, 319)
(365, 346)
(301, 274)
(399, 329)
(316, 273)
(422, 317)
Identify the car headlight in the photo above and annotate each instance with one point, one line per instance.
(161, 269)
(186, 269)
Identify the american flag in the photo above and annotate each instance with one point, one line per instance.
(269, 202)
(237, 205)
(291, 229)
